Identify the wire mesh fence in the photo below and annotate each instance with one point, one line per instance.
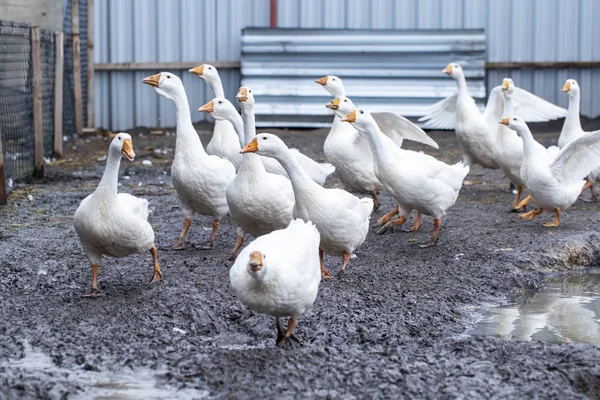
(17, 133)
(16, 101)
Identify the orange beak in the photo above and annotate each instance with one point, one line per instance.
(350, 117)
(322, 81)
(505, 84)
(567, 87)
(197, 70)
(208, 107)
(127, 149)
(255, 262)
(152, 80)
(242, 95)
(334, 104)
(251, 147)
(448, 69)
(504, 121)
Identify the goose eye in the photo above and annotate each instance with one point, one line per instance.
(345, 101)
(264, 138)
(209, 67)
(168, 76)
(120, 138)
(220, 102)
(333, 79)
(362, 112)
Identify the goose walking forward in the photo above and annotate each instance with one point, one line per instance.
(199, 179)
(111, 223)
(278, 274)
(555, 183)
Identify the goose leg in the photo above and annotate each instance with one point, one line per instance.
(590, 185)
(593, 191)
(515, 203)
(280, 331)
(556, 222)
(345, 261)
(289, 333)
(375, 200)
(386, 217)
(522, 204)
(415, 227)
(179, 244)
(157, 276)
(208, 245)
(390, 225)
(324, 273)
(532, 214)
(437, 224)
(238, 244)
(95, 292)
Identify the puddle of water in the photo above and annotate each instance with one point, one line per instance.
(128, 384)
(565, 309)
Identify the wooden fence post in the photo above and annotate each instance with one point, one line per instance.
(59, 38)
(90, 64)
(77, 68)
(38, 127)
(3, 194)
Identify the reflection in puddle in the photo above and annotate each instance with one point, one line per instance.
(127, 384)
(566, 309)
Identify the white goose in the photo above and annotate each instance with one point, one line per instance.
(350, 151)
(259, 202)
(476, 131)
(278, 274)
(224, 143)
(341, 218)
(200, 179)
(333, 84)
(415, 180)
(111, 223)
(555, 184)
(572, 129)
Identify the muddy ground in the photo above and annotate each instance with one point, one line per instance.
(394, 326)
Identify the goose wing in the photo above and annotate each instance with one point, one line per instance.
(397, 128)
(577, 159)
(441, 115)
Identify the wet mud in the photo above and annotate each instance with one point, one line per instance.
(394, 326)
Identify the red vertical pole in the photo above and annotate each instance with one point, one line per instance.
(273, 14)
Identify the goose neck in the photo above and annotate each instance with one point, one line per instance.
(573, 120)
(187, 137)
(249, 123)
(302, 184)
(110, 179)
(217, 87)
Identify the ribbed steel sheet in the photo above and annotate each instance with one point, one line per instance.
(189, 30)
(385, 70)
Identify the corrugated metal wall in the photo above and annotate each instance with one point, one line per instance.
(189, 30)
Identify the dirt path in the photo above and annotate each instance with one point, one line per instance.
(394, 326)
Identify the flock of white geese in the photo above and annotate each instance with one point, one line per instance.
(275, 193)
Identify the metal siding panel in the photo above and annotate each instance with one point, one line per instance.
(101, 33)
(451, 14)
(309, 15)
(429, 16)
(545, 17)
(568, 30)
(334, 13)
(192, 38)
(208, 40)
(287, 14)
(587, 22)
(169, 49)
(261, 13)
(499, 35)
(382, 14)
(280, 66)
(521, 30)
(358, 14)
(406, 14)
(475, 14)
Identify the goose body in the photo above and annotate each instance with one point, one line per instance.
(341, 218)
(555, 183)
(199, 179)
(111, 223)
(415, 180)
(259, 201)
(476, 131)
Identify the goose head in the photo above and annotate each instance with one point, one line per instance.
(206, 72)
(257, 264)
(361, 119)
(332, 84)
(265, 144)
(454, 71)
(244, 97)
(220, 109)
(341, 106)
(515, 123)
(571, 87)
(121, 146)
(166, 84)
(508, 87)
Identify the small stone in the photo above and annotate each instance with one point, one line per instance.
(147, 163)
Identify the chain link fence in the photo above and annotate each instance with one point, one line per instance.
(16, 90)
